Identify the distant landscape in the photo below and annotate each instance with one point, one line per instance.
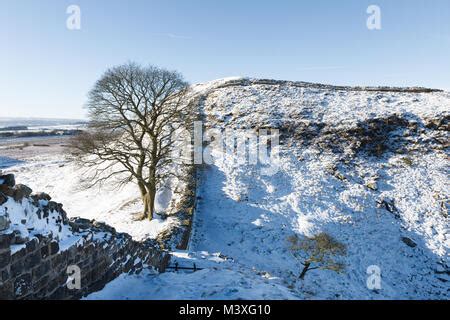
(37, 122)
(13, 128)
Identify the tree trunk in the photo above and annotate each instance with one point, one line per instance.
(142, 189)
(146, 201)
(151, 186)
(151, 202)
(149, 205)
(305, 269)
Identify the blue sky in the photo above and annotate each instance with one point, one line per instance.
(47, 69)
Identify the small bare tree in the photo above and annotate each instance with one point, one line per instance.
(134, 111)
(317, 252)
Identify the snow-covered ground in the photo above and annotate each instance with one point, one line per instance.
(219, 279)
(63, 180)
(390, 210)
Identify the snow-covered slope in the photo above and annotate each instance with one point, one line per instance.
(368, 166)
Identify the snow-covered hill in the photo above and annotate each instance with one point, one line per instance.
(367, 166)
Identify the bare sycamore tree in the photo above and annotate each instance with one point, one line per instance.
(134, 111)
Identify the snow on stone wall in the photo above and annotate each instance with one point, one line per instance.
(38, 243)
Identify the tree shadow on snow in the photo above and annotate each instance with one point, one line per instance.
(7, 162)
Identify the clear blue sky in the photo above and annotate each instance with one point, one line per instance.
(47, 70)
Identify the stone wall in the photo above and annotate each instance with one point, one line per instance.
(36, 266)
(177, 236)
(38, 270)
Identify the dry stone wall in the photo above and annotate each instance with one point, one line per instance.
(40, 266)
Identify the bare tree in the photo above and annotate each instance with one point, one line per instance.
(317, 252)
(134, 111)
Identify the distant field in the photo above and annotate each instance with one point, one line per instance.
(37, 122)
(31, 131)
(14, 151)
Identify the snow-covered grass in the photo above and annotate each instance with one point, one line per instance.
(272, 105)
(303, 199)
(248, 216)
(210, 284)
(63, 180)
(218, 280)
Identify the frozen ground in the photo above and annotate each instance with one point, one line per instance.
(389, 209)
